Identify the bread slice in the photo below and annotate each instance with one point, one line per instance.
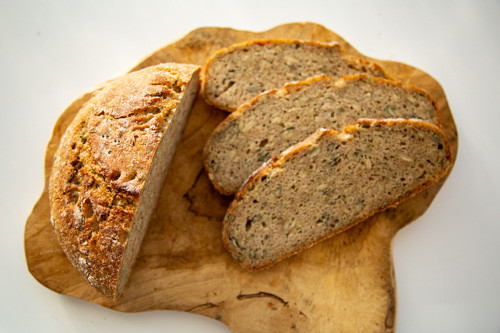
(237, 74)
(275, 120)
(111, 165)
(330, 182)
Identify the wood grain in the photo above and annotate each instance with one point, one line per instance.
(345, 283)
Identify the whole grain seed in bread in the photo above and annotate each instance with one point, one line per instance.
(110, 167)
(328, 183)
(275, 120)
(237, 74)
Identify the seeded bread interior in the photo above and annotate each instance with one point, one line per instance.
(155, 180)
(237, 74)
(328, 183)
(278, 119)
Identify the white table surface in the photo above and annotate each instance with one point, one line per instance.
(447, 262)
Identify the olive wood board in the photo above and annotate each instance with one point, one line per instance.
(345, 283)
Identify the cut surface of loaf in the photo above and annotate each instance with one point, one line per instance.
(328, 183)
(278, 119)
(237, 74)
(110, 167)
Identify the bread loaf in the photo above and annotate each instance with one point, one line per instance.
(328, 183)
(237, 74)
(275, 120)
(110, 167)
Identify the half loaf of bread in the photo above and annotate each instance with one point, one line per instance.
(111, 165)
(330, 182)
(278, 119)
(237, 74)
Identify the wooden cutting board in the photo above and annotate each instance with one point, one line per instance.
(345, 283)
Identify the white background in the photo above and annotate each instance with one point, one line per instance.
(447, 263)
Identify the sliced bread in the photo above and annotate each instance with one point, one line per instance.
(110, 167)
(275, 120)
(330, 182)
(237, 74)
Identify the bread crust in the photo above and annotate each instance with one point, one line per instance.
(101, 165)
(286, 89)
(239, 46)
(278, 161)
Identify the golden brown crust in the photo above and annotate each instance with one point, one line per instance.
(277, 162)
(236, 47)
(101, 165)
